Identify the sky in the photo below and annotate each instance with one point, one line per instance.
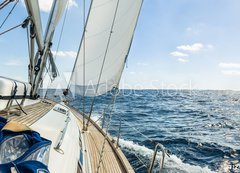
(178, 44)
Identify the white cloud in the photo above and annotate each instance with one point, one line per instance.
(183, 60)
(231, 72)
(191, 48)
(132, 72)
(178, 54)
(73, 3)
(45, 5)
(71, 54)
(229, 65)
(13, 62)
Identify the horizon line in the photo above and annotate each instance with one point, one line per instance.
(201, 89)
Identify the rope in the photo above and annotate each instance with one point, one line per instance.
(20, 107)
(9, 13)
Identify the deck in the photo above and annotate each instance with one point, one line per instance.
(113, 160)
(33, 112)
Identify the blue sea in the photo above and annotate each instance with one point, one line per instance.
(199, 129)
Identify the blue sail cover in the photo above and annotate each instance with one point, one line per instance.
(3, 121)
(23, 152)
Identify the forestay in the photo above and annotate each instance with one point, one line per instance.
(105, 46)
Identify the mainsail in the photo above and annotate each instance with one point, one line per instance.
(33, 10)
(105, 46)
(57, 10)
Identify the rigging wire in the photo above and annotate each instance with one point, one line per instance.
(139, 132)
(102, 117)
(107, 128)
(61, 33)
(144, 163)
(45, 95)
(10, 29)
(9, 14)
(84, 56)
(89, 11)
(58, 45)
(24, 24)
(114, 98)
(5, 3)
(105, 55)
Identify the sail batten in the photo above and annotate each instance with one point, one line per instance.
(108, 36)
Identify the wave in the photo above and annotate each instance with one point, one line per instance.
(172, 164)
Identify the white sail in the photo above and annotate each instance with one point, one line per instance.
(109, 32)
(57, 12)
(34, 12)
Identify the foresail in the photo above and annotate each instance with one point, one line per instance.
(109, 32)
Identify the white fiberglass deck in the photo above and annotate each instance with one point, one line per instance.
(42, 118)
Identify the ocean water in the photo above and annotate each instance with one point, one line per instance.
(199, 129)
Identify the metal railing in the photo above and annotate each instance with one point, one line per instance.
(162, 149)
(62, 134)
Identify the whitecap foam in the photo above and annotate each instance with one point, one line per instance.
(96, 117)
(172, 164)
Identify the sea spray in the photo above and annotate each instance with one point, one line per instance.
(172, 164)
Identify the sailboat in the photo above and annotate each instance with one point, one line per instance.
(39, 135)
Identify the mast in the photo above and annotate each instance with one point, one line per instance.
(35, 33)
(34, 13)
(54, 18)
